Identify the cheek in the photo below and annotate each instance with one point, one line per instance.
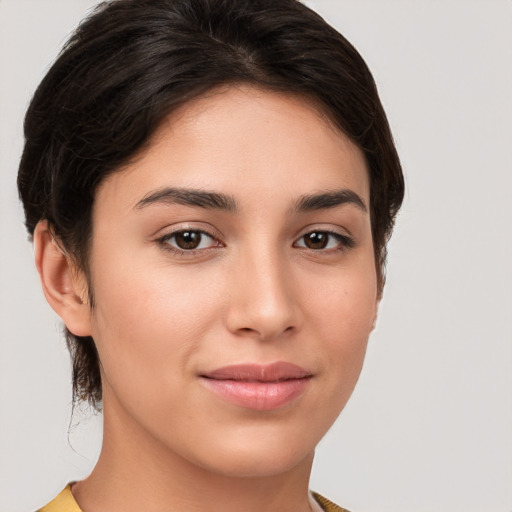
(346, 303)
(343, 315)
(146, 317)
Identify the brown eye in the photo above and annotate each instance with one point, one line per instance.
(320, 240)
(316, 240)
(189, 240)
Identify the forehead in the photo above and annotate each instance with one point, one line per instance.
(243, 140)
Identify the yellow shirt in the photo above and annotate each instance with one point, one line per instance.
(65, 502)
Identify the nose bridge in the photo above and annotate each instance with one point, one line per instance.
(263, 302)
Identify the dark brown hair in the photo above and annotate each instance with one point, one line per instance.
(132, 62)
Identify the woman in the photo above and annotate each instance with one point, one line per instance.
(210, 186)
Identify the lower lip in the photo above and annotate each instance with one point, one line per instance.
(260, 396)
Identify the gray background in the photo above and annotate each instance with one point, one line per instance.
(429, 426)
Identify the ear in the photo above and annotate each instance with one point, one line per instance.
(376, 313)
(64, 286)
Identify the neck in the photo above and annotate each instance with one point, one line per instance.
(137, 472)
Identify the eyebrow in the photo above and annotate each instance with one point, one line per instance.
(328, 199)
(218, 201)
(189, 197)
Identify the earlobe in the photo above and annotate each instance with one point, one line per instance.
(376, 314)
(63, 285)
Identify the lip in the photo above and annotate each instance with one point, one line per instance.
(258, 387)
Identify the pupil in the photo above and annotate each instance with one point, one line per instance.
(188, 239)
(316, 240)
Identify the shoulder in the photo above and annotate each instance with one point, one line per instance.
(64, 502)
(328, 506)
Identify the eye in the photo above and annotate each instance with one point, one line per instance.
(324, 240)
(189, 240)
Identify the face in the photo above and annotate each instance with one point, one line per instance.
(234, 282)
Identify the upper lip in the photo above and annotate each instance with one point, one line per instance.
(274, 372)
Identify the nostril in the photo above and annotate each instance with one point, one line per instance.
(265, 333)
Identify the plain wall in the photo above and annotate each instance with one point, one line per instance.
(429, 426)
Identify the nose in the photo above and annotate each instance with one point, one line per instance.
(263, 301)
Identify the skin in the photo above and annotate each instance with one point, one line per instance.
(253, 292)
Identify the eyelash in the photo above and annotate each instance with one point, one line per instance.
(164, 242)
(345, 242)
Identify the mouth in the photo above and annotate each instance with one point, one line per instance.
(258, 387)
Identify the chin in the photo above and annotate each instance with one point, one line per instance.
(258, 453)
(261, 464)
